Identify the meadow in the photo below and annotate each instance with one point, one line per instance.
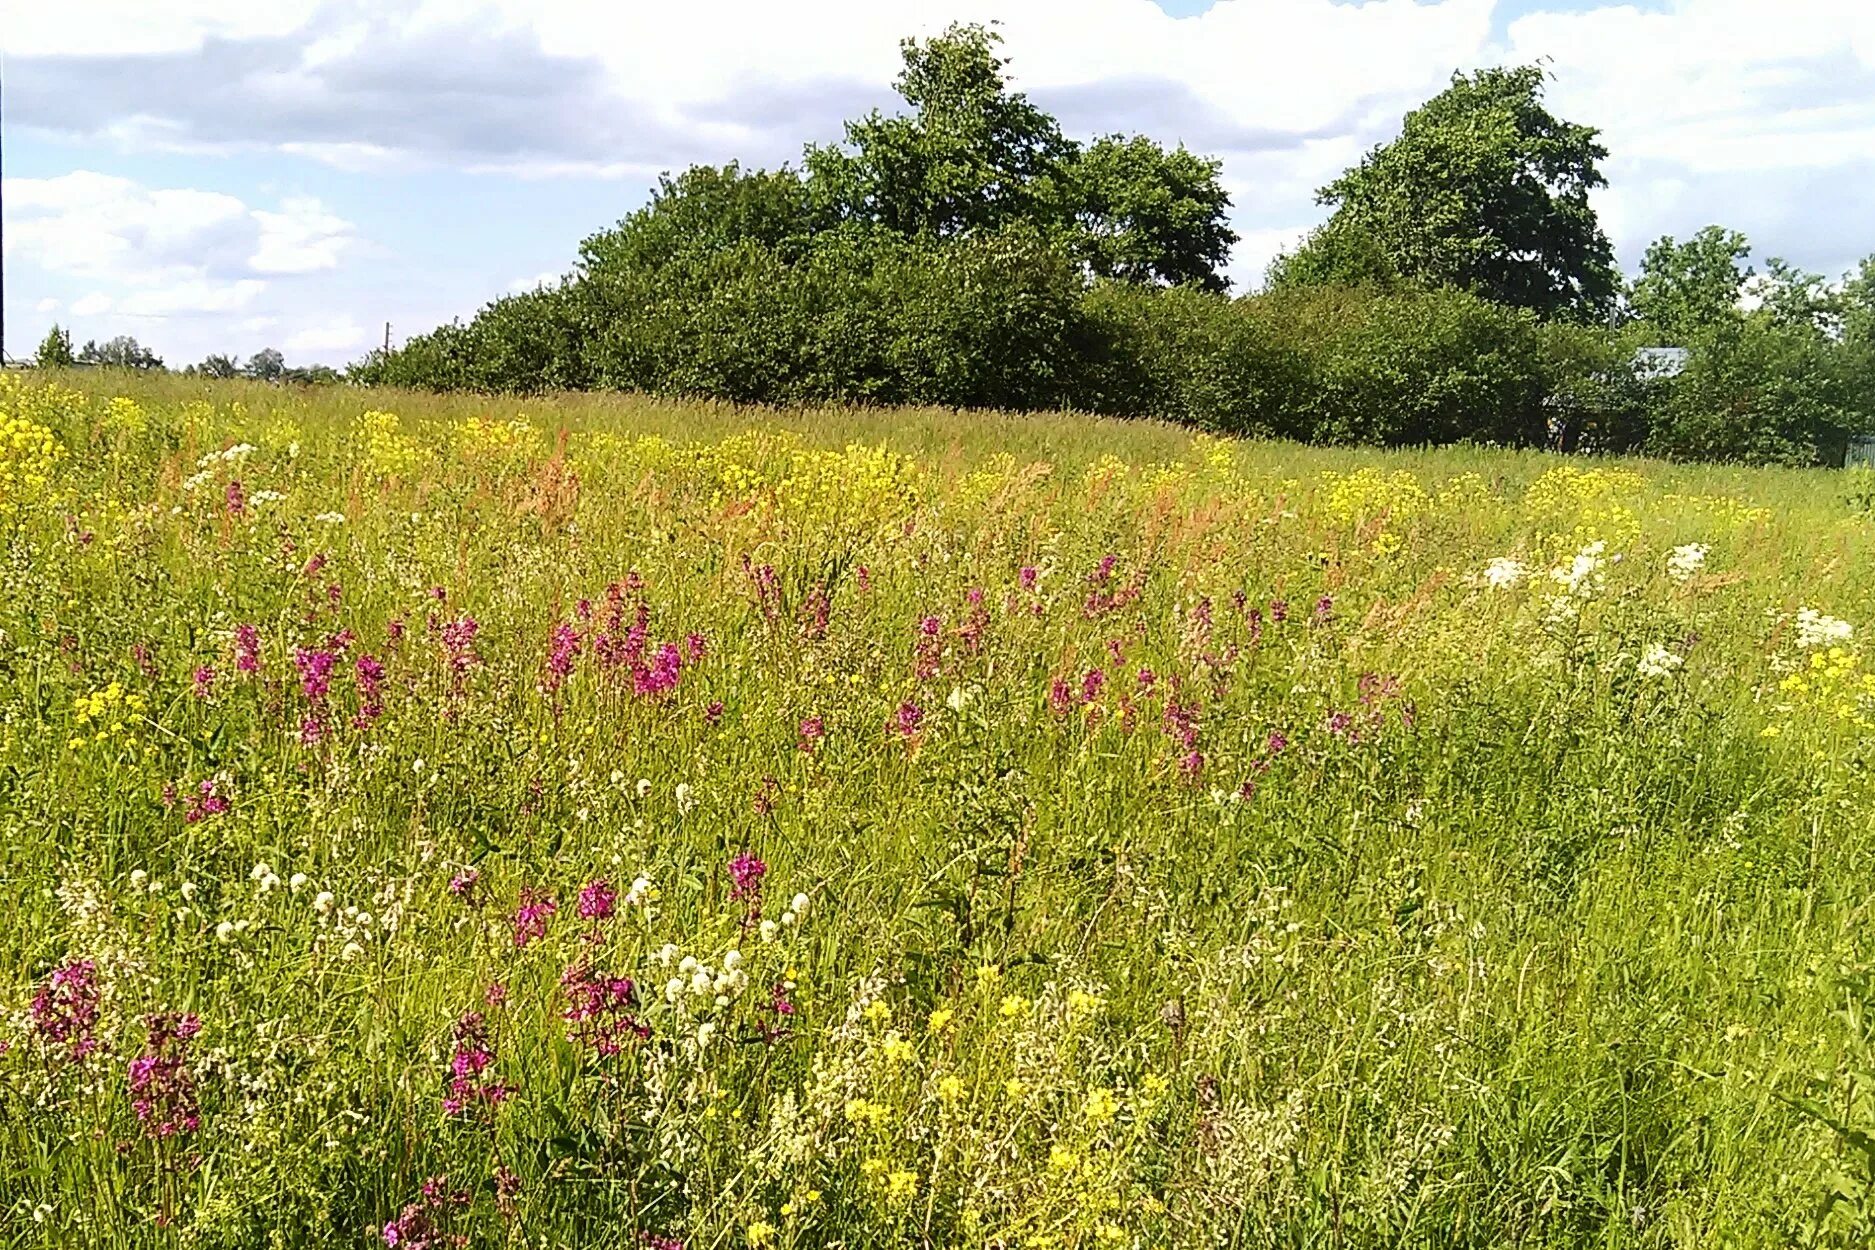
(436, 821)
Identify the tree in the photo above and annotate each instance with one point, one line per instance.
(312, 375)
(705, 208)
(1798, 298)
(55, 351)
(1337, 253)
(217, 366)
(972, 155)
(122, 352)
(265, 365)
(1148, 214)
(1486, 190)
(1687, 288)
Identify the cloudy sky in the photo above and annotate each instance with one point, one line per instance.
(226, 175)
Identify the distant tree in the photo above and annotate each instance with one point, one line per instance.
(1338, 253)
(122, 352)
(1149, 214)
(1486, 190)
(55, 351)
(1798, 298)
(972, 155)
(1686, 288)
(266, 365)
(312, 375)
(704, 209)
(217, 366)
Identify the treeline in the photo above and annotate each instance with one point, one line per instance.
(124, 352)
(965, 252)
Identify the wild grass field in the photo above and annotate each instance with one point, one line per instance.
(620, 823)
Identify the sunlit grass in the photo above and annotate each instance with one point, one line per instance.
(603, 821)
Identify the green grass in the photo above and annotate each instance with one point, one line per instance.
(1435, 914)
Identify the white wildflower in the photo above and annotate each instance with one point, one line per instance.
(1683, 562)
(1658, 661)
(1503, 573)
(330, 518)
(1583, 572)
(1814, 629)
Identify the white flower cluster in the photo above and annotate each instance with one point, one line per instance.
(1814, 629)
(1503, 573)
(1583, 573)
(1683, 563)
(1659, 661)
(207, 465)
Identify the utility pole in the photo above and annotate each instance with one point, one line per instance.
(387, 338)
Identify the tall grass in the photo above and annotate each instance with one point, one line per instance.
(638, 823)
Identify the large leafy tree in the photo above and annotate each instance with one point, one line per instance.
(706, 208)
(971, 155)
(1686, 288)
(1143, 213)
(1487, 190)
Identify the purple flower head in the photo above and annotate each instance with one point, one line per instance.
(65, 1010)
(746, 873)
(470, 1086)
(1060, 697)
(660, 676)
(315, 672)
(247, 648)
(597, 900)
(204, 681)
(1092, 685)
(162, 1089)
(714, 712)
(1026, 576)
(464, 885)
(807, 737)
(599, 1010)
(535, 909)
(908, 719)
(237, 498)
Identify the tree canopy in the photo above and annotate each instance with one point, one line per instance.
(1484, 189)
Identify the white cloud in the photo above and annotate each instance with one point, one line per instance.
(47, 305)
(107, 27)
(550, 277)
(339, 335)
(106, 228)
(302, 237)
